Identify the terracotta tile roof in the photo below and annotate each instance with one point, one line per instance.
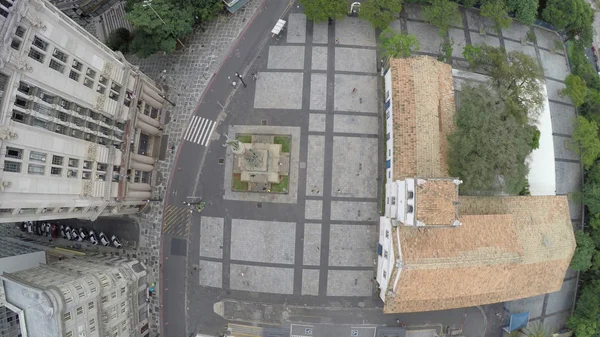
(437, 202)
(507, 248)
(423, 103)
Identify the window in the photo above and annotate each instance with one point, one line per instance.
(104, 299)
(76, 65)
(43, 45)
(92, 328)
(20, 32)
(24, 88)
(387, 234)
(389, 152)
(90, 307)
(56, 171)
(387, 136)
(78, 287)
(69, 334)
(90, 73)
(57, 66)
(86, 176)
(100, 177)
(101, 167)
(384, 274)
(57, 160)
(123, 309)
(79, 311)
(36, 169)
(36, 55)
(74, 75)
(67, 316)
(385, 254)
(15, 44)
(123, 291)
(14, 153)
(88, 83)
(92, 289)
(37, 156)
(72, 174)
(103, 80)
(409, 209)
(100, 89)
(113, 295)
(73, 162)
(59, 55)
(82, 294)
(92, 321)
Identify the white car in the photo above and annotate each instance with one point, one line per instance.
(115, 241)
(103, 239)
(93, 237)
(74, 234)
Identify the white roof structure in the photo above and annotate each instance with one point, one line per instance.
(278, 27)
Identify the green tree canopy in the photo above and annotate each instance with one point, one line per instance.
(380, 13)
(591, 197)
(573, 16)
(488, 148)
(585, 317)
(525, 10)
(323, 10)
(495, 10)
(442, 14)
(119, 39)
(582, 259)
(576, 89)
(394, 44)
(586, 142)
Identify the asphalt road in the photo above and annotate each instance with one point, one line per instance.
(190, 158)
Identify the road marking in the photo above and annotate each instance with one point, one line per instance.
(176, 220)
(199, 130)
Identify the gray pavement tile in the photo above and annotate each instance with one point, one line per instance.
(568, 179)
(516, 31)
(562, 299)
(320, 32)
(296, 31)
(460, 41)
(319, 58)
(575, 207)
(427, 34)
(553, 89)
(315, 165)
(262, 279)
(556, 322)
(413, 11)
(313, 209)
(356, 32)
(396, 26)
(487, 39)
(357, 60)
(562, 118)
(555, 65)
(310, 282)
(355, 167)
(210, 273)
(278, 91)
(350, 283)
(354, 211)
(570, 273)
(312, 244)
(355, 124)
(562, 148)
(545, 38)
(211, 237)
(517, 46)
(318, 91)
(532, 304)
(365, 99)
(352, 245)
(478, 23)
(263, 241)
(316, 122)
(286, 57)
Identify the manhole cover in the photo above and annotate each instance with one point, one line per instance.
(259, 205)
(221, 160)
(263, 122)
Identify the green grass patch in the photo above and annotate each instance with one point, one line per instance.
(282, 186)
(285, 141)
(244, 138)
(238, 184)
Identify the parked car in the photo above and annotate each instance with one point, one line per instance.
(115, 241)
(68, 234)
(93, 237)
(74, 234)
(29, 227)
(38, 228)
(103, 239)
(61, 232)
(23, 226)
(48, 229)
(82, 234)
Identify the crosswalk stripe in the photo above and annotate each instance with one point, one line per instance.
(199, 130)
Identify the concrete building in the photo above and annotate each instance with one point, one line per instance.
(80, 127)
(80, 297)
(440, 251)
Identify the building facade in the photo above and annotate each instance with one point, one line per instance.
(80, 127)
(80, 297)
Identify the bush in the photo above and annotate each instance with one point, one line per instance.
(119, 40)
(591, 197)
(576, 89)
(582, 259)
(586, 142)
(397, 44)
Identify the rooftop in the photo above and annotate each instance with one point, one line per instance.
(423, 96)
(436, 201)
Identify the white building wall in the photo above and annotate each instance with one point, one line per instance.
(385, 259)
(389, 118)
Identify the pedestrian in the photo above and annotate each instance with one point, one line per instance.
(337, 41)
(353, 89)
(254, 77)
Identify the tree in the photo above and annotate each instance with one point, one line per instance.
(151, 34)
(576, 89)
(591, 197)
(487, 150)
(380, 13)
(525, 10)
(582, 259)
(323, 10)
(537, 329)
(573, 16)
(584, 319)
(469, 3)
(442, 14)
(586, 142)
(119, 39)
(495, 10)
(397, 44)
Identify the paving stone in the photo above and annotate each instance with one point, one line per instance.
(263, 241)
(312, 244)
(477, 23)
(355, 167)
(427, 34)
(319, 58)
(413, 12)
(349, 283)
(278, 91)
(313, 209)
(211, 237)
(490, 40)
(555, 65)
(568, 180)
(296, 30)
(286, 57)
(532, 304)
(517, 46)
(320, 32)
(458, 35)
(315, 165)
(562, 299)
(262, 279)
(562, 148)
(515, 31)
(316, 122)
(354, 211)
(545, 38)
(355, 124)
(364, 99)
(352, 245)
(396, 26)
(318, 91)
(210, 273)
(556, 322)
(562, 118)
(356, 32)
(310, 282)
(357, 60)
(553, 89)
